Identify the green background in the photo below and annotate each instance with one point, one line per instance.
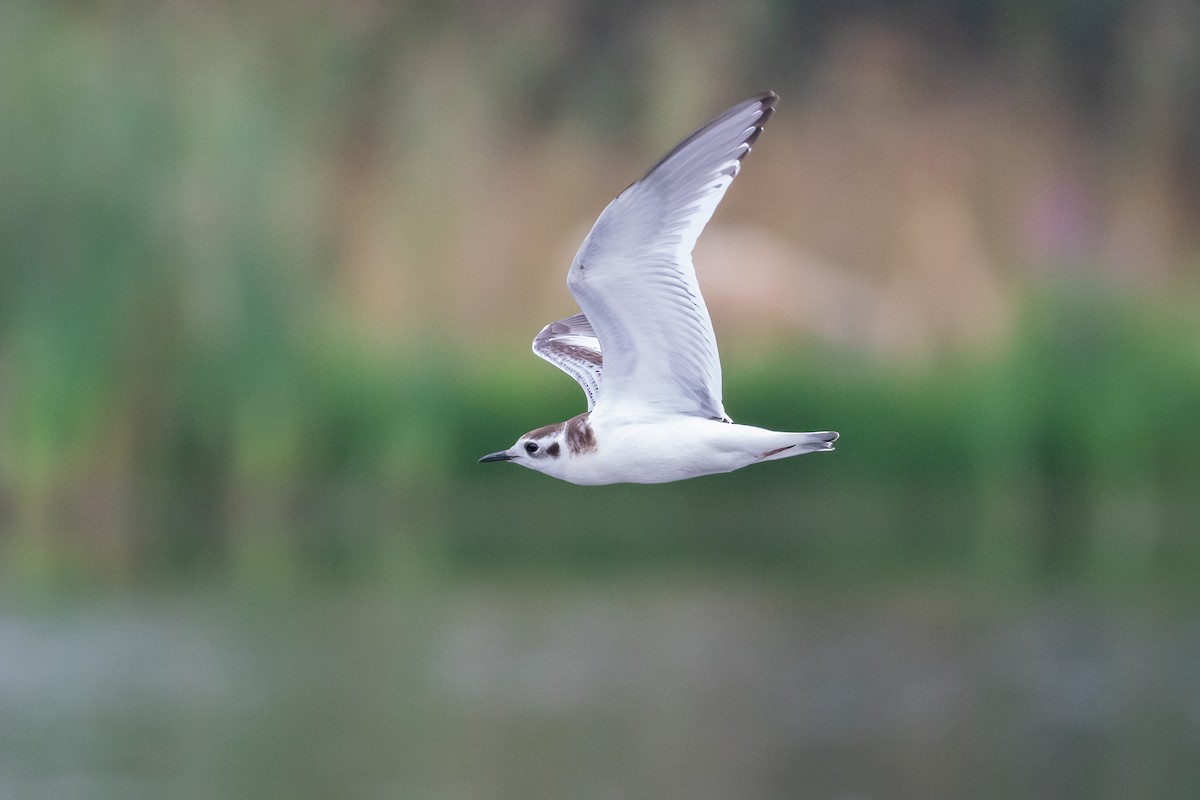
(268, 277)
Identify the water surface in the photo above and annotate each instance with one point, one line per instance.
(664, 688)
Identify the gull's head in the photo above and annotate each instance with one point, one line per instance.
(541, 449)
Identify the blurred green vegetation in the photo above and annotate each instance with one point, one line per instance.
(1069, 455)
(195, 378)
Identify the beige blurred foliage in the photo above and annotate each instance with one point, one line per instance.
(893, 207)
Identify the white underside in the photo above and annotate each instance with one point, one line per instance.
(674, 447)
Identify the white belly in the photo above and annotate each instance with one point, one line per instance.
(669, 449)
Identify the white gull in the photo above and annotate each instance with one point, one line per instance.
(643, 348)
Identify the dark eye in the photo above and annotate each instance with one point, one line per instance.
(531, 447)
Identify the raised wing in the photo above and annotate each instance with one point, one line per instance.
(571, 345)
(633, 274)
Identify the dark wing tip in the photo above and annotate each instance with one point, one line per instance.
(767, 98)
(767, 101)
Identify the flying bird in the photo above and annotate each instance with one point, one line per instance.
(643, 347)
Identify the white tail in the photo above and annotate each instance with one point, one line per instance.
(794, 444)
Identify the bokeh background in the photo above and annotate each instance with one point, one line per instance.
(268, 277)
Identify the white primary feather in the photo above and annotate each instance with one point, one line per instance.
(633, 277)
